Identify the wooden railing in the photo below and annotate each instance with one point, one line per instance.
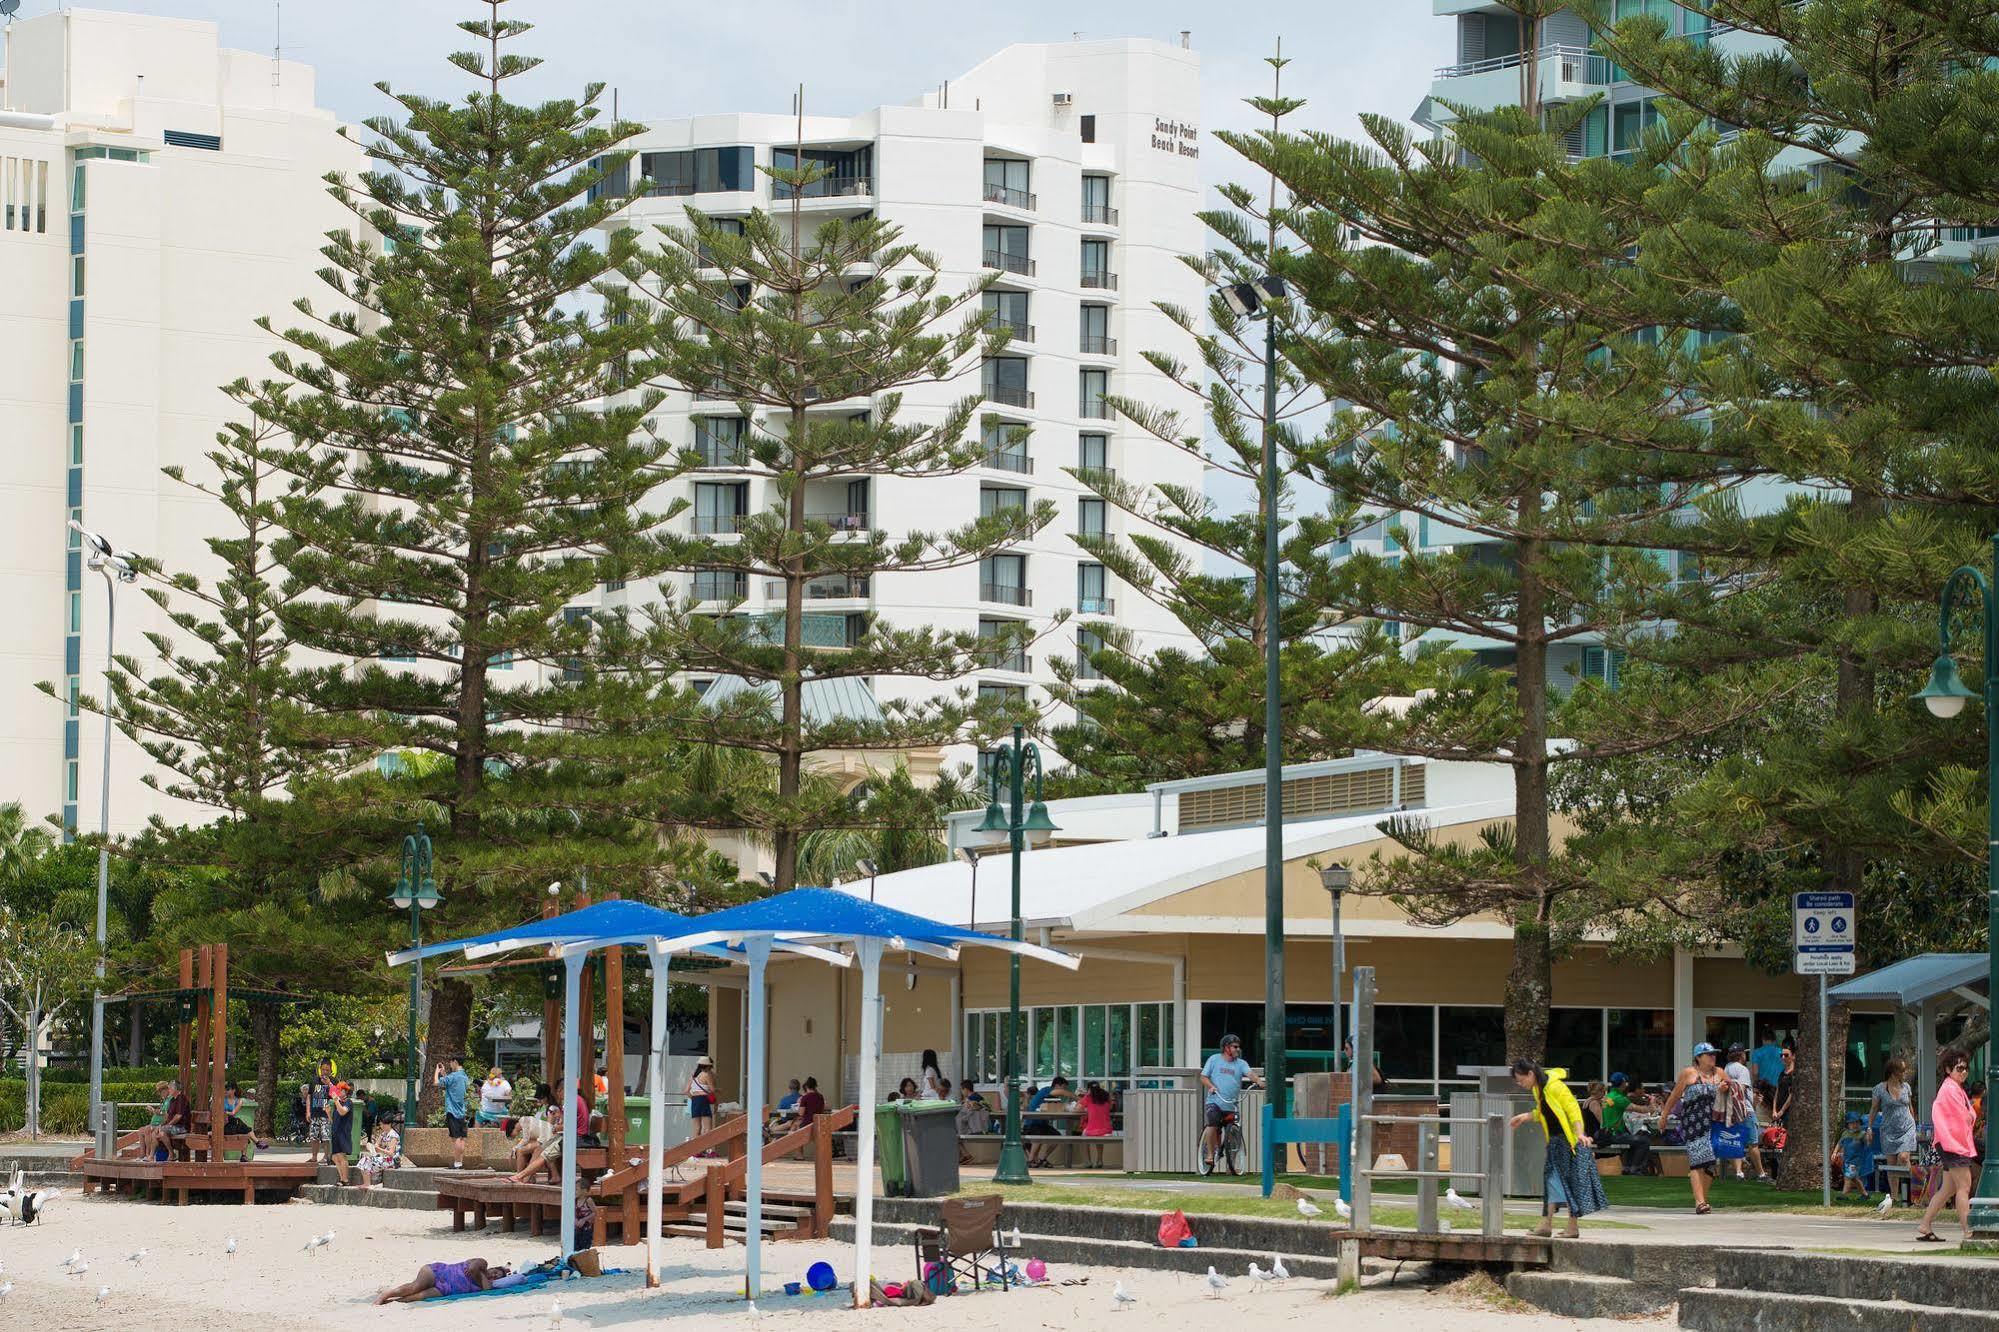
(724, 1181)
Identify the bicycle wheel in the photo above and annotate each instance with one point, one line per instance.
(1232, 1148)
(1203, 1166)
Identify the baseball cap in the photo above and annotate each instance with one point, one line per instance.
(1853, 1116)
(1704, 1048)
(1618, 1079)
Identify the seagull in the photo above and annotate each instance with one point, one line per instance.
(103, 1294)
(6, 1290)
(1340, 1206)
(1306, 1207)
(318, 1242)
(79, 1269)
(1457, 1203)
(555, 1314)
(137, 1258)
(231, 1248)
(1121, 1297)
(75, 1257)
(1887, 1205)
(1217, 1283)
(1258, 1275)
(1278, 1269)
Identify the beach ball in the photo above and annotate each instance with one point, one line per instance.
(1037, 1270)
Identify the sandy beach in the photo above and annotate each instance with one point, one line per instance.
(187, 1279)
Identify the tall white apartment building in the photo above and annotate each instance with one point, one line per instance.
(158, 194)
(1071, 170)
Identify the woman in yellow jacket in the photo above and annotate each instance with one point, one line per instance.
(1569, 1178)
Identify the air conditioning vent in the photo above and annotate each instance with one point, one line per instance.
(1065, 99)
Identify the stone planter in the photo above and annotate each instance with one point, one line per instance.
(432, 1147)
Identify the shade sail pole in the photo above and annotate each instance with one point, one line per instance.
(572, 971)
(656, 1119)
(870, 951)
(753, 1098)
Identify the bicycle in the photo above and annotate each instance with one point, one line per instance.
(1228, 1150)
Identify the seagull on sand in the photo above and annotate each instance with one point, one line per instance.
(6, 1289)
(103, 1294)
(1457, 1202)
(1306, 1207)
(137, 1257)
(1278, 1269)
(230, 1249)
(1217, 1283)
(1258, 1276)
(79, 1269)
(555, 1314)
(75, 1257)
(1121, 1297)
(1887, 1205)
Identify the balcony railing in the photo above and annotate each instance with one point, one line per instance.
(718, 524)
(826, 187)
(1097, 409)
(1578, 64)
(840, 520)
(1100, 214)
(1009, 395)
(711, 586)
(1005, 594)
(1099, 279)
(833, 587)
(1018, 331)
(1011, 198)
(1009, 460)
(721, 450)
(1096, 344)
(1095, 606)
(1008, 261)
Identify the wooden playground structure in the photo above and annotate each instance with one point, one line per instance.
(200, 1162)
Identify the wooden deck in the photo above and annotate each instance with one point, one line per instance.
(1456, 1247)
(157, 1179)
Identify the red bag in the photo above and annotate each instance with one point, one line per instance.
(1774, 1137)
(1173, 1228)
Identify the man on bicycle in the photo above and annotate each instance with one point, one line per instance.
(1223, 1077)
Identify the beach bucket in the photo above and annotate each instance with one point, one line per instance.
(821, 1277)
(792, 1287)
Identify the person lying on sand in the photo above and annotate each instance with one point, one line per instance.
(436, 1281)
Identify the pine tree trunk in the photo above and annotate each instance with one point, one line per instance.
(1804, 1165)
(33, 1100)
(135, 1035)
(791, 688)
(264, 1031)
(450, 1027)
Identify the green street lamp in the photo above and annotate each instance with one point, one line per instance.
(1011, 763)
(416, 892)
(1945, 696)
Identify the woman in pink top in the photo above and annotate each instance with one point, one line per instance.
(1950, 1117)
(1096, 1107)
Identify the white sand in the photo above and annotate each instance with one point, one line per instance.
(187, 1281)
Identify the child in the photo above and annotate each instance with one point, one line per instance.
(1856, 1150)
(1096, 1122)
(380, 1154)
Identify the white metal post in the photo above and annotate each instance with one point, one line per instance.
(656, 1121)
(870, 952)
(1825, 1094)
(566, 1097)
(1362, 1085)
(758, 949)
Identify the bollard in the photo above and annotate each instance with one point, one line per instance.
(1426, 1181)
(1493, 1195)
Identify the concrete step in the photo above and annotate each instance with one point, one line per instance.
(414, 1200)
(1955, 1284)
(1666, 1267)
(1724, 1310)
(1587, 1295)
(1249, 1234)
(1135, 1254)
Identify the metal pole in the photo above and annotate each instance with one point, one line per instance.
(103, 863)
(1013, 1156)
(410, 1120)
(1363, 1097)
(1985, 1213)
(1273, 749)
(1825, 1095)
(1339, 985)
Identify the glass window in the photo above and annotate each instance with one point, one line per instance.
(1471, 1035)
(76, 275)
(69, 779)
(1096, 324)
(75, 694)
(1001, 499)
(1403, 1045)
(76, 187)
(76, 445)
(75, 538)
(1244, 1020)
(1096, 195)
(1008, 310)
(699, 170)
(1096, 1022)
(76, 360)
(1006, 174)
(76, 612)
(1117, 1040)
(1089, 517)
(1641, 1043)
(1010, 241)
(1044, 1044)
(1093, 452)
(1096, 257)
(1575, 1042)
(1154, 1034)
(1092, 386)
(1090, 595)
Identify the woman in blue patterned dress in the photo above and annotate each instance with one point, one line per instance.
(1691, 1110)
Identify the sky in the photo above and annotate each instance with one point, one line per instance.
(670, 58)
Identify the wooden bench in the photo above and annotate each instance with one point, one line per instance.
(182, 1178)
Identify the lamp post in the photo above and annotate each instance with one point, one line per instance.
(1945, 696)
(1336, 877)
(117, 566)
(970, 855)
(416, 892)
(1250, 300)
(868, 868)
(1016, 819)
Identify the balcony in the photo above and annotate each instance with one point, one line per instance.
(1565, 73)
(826, 187)
(1009, 395)
(1015, 329)
(1009, 460)
(718, 524)
(1005, 594)
(1095, 606)
(1099, 279)
(1096, 344)
(1099, 215)
(832, 587)
(1009, 198)
(840, 520)
(713, 586)
(1008, 262)
(1097, 409)
(1013, 659)
(721, 450)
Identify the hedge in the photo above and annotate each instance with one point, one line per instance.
(66, 1106)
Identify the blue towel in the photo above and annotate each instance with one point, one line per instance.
(531, 1281)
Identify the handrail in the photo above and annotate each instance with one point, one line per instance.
(1579, 64)
(719, 1179)
(725, 1132)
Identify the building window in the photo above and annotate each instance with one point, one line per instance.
(722, 441)
(1093, 453)
(76, 445)
(1004, 380)
(190, 139)
(76, 361)
(1086, 126)
(699, 171)
(1090, 517)
(1094, 334)
(76, 191)
(1012, 656)
(1003, 580)
(1096, 266)
(1091, 596)
(719, 507)
(500, 661)
(1006, 249)
(76, 612)
(1008, 310)
(1097, 200)
(1006, 446)
(1088, 643)
(76, 275)
(75, 538)
(1001, 499)
(1092, 390)
(1007, 182)
(1605, 664)
(843, 172)
(69, 783)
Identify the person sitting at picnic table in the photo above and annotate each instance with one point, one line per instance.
(233, 1125)
(439, 1281)
(177, 1117)
(1057, 1090)
(496, 1097)
(785, 1117)
(974, 1116)
(1096, 1105)
(811, 1104)
(531, 1129)
(380, 1154)
(906, 1089)
(547, 1153)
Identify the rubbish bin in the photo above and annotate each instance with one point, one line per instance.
(638, 1119)
(889, 1152)
(930, 1129)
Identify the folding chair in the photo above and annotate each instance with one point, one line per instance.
(967, 1241)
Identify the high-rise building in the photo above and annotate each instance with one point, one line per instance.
(1071, 170)
(158, 193)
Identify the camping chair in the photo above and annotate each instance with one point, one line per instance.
(966, 1241)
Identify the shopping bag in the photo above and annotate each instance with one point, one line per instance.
(1173, 1228)
(1730, 1141)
